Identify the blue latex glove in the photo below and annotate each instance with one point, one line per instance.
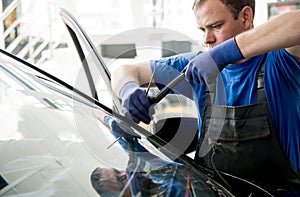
(119, 129)
(135, 103)
(205, 67)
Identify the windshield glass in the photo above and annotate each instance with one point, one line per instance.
(51, 136)
(71, 140)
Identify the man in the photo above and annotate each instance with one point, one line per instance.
(251, 133)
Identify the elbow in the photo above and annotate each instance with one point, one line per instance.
(119, 77)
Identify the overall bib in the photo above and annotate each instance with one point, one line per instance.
(242, 141)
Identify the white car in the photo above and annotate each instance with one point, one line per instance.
(53, 135)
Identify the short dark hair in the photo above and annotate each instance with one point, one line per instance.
(97, 177)
(234, 6)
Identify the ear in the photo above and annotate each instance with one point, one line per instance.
(246, 17)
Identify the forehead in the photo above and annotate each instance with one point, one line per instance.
(210, 12)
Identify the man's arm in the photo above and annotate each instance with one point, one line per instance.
(126, 81)
(138, 73)
(280, 32)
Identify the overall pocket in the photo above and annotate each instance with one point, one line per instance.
(241, 137)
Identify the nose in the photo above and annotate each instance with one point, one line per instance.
(209, 37)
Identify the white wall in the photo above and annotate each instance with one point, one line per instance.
(102, 17)
(261, 10)
(120, 15)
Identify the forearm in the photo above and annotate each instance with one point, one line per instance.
(280, 32)
(137, 73)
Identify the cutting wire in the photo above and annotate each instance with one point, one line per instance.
(150, 81)
(147, 92)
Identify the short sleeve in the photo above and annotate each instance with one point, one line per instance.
(167, 69)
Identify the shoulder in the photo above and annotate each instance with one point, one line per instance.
(280, 54)
(282, 59)
(282, 71)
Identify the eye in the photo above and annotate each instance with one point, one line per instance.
(217, 25)
(202, 29)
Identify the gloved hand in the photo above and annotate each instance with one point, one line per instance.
(120, 129)
(205, 67)
(135, 103)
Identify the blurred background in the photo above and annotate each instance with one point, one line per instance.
(39, 133)
(33, 30)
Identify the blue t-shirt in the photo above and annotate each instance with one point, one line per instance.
(282, 88)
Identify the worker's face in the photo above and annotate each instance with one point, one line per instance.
(217, 22)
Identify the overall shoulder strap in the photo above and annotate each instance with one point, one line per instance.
(210, 94)
(261, 97)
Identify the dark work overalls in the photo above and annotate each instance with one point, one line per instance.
(243, 141)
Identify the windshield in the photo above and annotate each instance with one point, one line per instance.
(72, 140)
(54, 135)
